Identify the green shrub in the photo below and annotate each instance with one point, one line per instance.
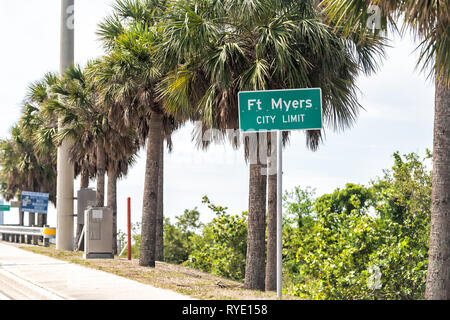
(365, 242)
(221, 248)
(178, 237)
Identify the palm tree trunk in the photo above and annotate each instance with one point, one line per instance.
(21, 218)
(149, 208)
(438, 276)
(21, 221)
(84, 181)
(31, 223)
(160, 210)
(256, 255)
(101, 162)
(112, 203)
(41, 218)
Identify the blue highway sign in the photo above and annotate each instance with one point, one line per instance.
(34, 202)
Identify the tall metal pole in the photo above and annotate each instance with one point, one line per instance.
(279, 213)
(65, 170)
(1, 214)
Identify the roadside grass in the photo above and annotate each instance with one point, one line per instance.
(184, 280)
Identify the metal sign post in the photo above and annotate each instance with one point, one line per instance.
(280, 110)
(279, 213)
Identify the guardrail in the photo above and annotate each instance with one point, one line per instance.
(14, 233)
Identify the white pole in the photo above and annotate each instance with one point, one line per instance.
(279, 213)
(65, 170)
(1, 214)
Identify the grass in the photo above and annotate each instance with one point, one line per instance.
(184, 280)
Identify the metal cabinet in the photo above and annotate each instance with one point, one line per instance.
(85, 199)
(98, 233)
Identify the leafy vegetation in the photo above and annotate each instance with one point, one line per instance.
(366, 242)
(359, 242)
(221, 247)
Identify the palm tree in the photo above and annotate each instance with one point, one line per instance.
(120, 155)
(40, 128)
(16, 158)
(9, 179)
(10, 184)
(221, 48)
(127, 77)
(72, 104)
(84, 122)
(429, 21)
(96, 145)
(24, 168)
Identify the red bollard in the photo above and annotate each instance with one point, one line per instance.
(129, 228)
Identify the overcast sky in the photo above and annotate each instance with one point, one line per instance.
(398, 116)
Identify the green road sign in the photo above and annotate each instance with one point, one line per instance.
(273, 110)
(5, 207)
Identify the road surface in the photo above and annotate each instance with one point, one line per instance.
(28, 276)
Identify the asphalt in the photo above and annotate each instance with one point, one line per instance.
(28, 276)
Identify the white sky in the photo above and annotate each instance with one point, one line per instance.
(398, 101)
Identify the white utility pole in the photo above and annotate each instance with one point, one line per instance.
(65, 170)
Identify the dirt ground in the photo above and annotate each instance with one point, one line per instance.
(187, 281)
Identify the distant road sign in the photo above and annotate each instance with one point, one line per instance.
(5, 207)
(14, 204)
(274, 110)
(35, 202)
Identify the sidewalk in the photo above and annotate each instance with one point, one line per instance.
(25, 275)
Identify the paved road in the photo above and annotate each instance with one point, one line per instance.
(28, 276)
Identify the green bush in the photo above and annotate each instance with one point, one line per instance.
(365, 242)
(221, 248)
(178, 237)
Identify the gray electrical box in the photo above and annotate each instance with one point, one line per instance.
(98, 242)
(85, 199)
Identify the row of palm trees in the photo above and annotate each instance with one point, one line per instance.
(169, 62)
